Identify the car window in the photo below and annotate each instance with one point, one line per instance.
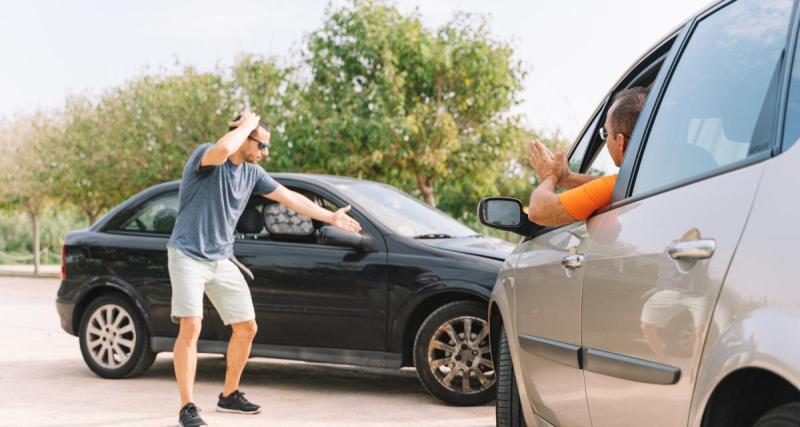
(602, 164)
(791, 129)
(277, 222)
(576, 159)
(155, 216)
(400, 212)
(720, 103)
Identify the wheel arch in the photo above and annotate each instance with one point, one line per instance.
(745, 395)
(105, 287)
(424, 309)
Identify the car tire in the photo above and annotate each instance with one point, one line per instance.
(508, 409)
(442, 372)
(114, 340)
(783, 416)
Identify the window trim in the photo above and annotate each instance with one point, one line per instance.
(642, 131)
(367, 227)
(137, 233)
(630, 161)
(789, 56)
(646, 65)
(663, 52)
(114, 226)
(594, 120)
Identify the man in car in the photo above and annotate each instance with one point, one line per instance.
(586, 193)
(217, 182)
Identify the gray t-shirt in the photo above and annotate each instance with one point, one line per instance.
(211, 200)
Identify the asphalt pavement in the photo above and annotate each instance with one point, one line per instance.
(44, 382)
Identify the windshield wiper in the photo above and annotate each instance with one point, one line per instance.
(433, 236)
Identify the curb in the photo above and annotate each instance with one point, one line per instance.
(37, 276)
(28, 272)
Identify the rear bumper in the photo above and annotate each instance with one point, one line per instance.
(65, 311)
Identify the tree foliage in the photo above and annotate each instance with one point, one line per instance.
(392, 100)
(375, 94)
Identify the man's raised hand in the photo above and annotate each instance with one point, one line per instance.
(545, 163)
(248, 119)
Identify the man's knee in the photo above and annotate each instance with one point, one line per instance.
(190, 327)
(247, 328)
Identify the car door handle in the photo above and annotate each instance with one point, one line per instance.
(572, 261)
(693, 249)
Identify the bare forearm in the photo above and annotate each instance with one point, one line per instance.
(545, 208)
(234, 139)
(304, 206)
(575, 180)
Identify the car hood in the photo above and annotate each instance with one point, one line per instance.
(489, 247)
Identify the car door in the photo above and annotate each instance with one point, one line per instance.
(660, 255)
(547, 300)
(135, 251)
(309, 294)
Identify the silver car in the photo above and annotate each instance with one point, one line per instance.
(679, 303)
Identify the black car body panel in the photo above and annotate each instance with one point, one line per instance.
(313, 302)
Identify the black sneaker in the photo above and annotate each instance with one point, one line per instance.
(188, 416)
(236, 403)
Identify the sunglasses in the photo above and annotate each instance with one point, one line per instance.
(604, 134)
(261, 145)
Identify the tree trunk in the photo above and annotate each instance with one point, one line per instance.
(91, 213)
(36, 236)
(425, 185)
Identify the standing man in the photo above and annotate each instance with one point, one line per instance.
(217, 182)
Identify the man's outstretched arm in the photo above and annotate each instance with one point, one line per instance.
(303, 206)
(545, 208)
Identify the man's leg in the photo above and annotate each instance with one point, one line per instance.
(238, 352)
(185, 356)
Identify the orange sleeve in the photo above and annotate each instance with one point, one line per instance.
(581, 201)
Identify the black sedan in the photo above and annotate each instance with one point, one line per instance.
(410, 290)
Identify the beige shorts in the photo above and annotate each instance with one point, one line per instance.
(222, 281)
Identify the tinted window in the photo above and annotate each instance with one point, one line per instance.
(791, 130)
(280, 223)
(401, 213)
(603, 164)
(576, 159)
(155, 216)
(720, 104)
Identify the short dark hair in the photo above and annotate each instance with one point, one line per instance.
(625, 108)
(261, 123)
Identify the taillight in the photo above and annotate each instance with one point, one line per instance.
(63, 262)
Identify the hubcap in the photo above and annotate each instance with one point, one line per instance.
(110, 336)
(459, 355)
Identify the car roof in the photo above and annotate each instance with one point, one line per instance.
(321, 180)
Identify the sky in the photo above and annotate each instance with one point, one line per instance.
(573, 51)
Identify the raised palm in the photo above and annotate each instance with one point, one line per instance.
(343, 221)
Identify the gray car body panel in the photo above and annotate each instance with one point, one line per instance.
(757, 317)
(751, 311)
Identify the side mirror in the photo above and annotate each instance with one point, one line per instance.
(505, 213)
(329, 235)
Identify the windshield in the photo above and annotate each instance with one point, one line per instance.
(402, 213)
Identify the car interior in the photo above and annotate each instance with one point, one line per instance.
(264, 219)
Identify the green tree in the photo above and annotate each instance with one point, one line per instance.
(26, 170)
(262, 85)
(138, 135)
(392, 100)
